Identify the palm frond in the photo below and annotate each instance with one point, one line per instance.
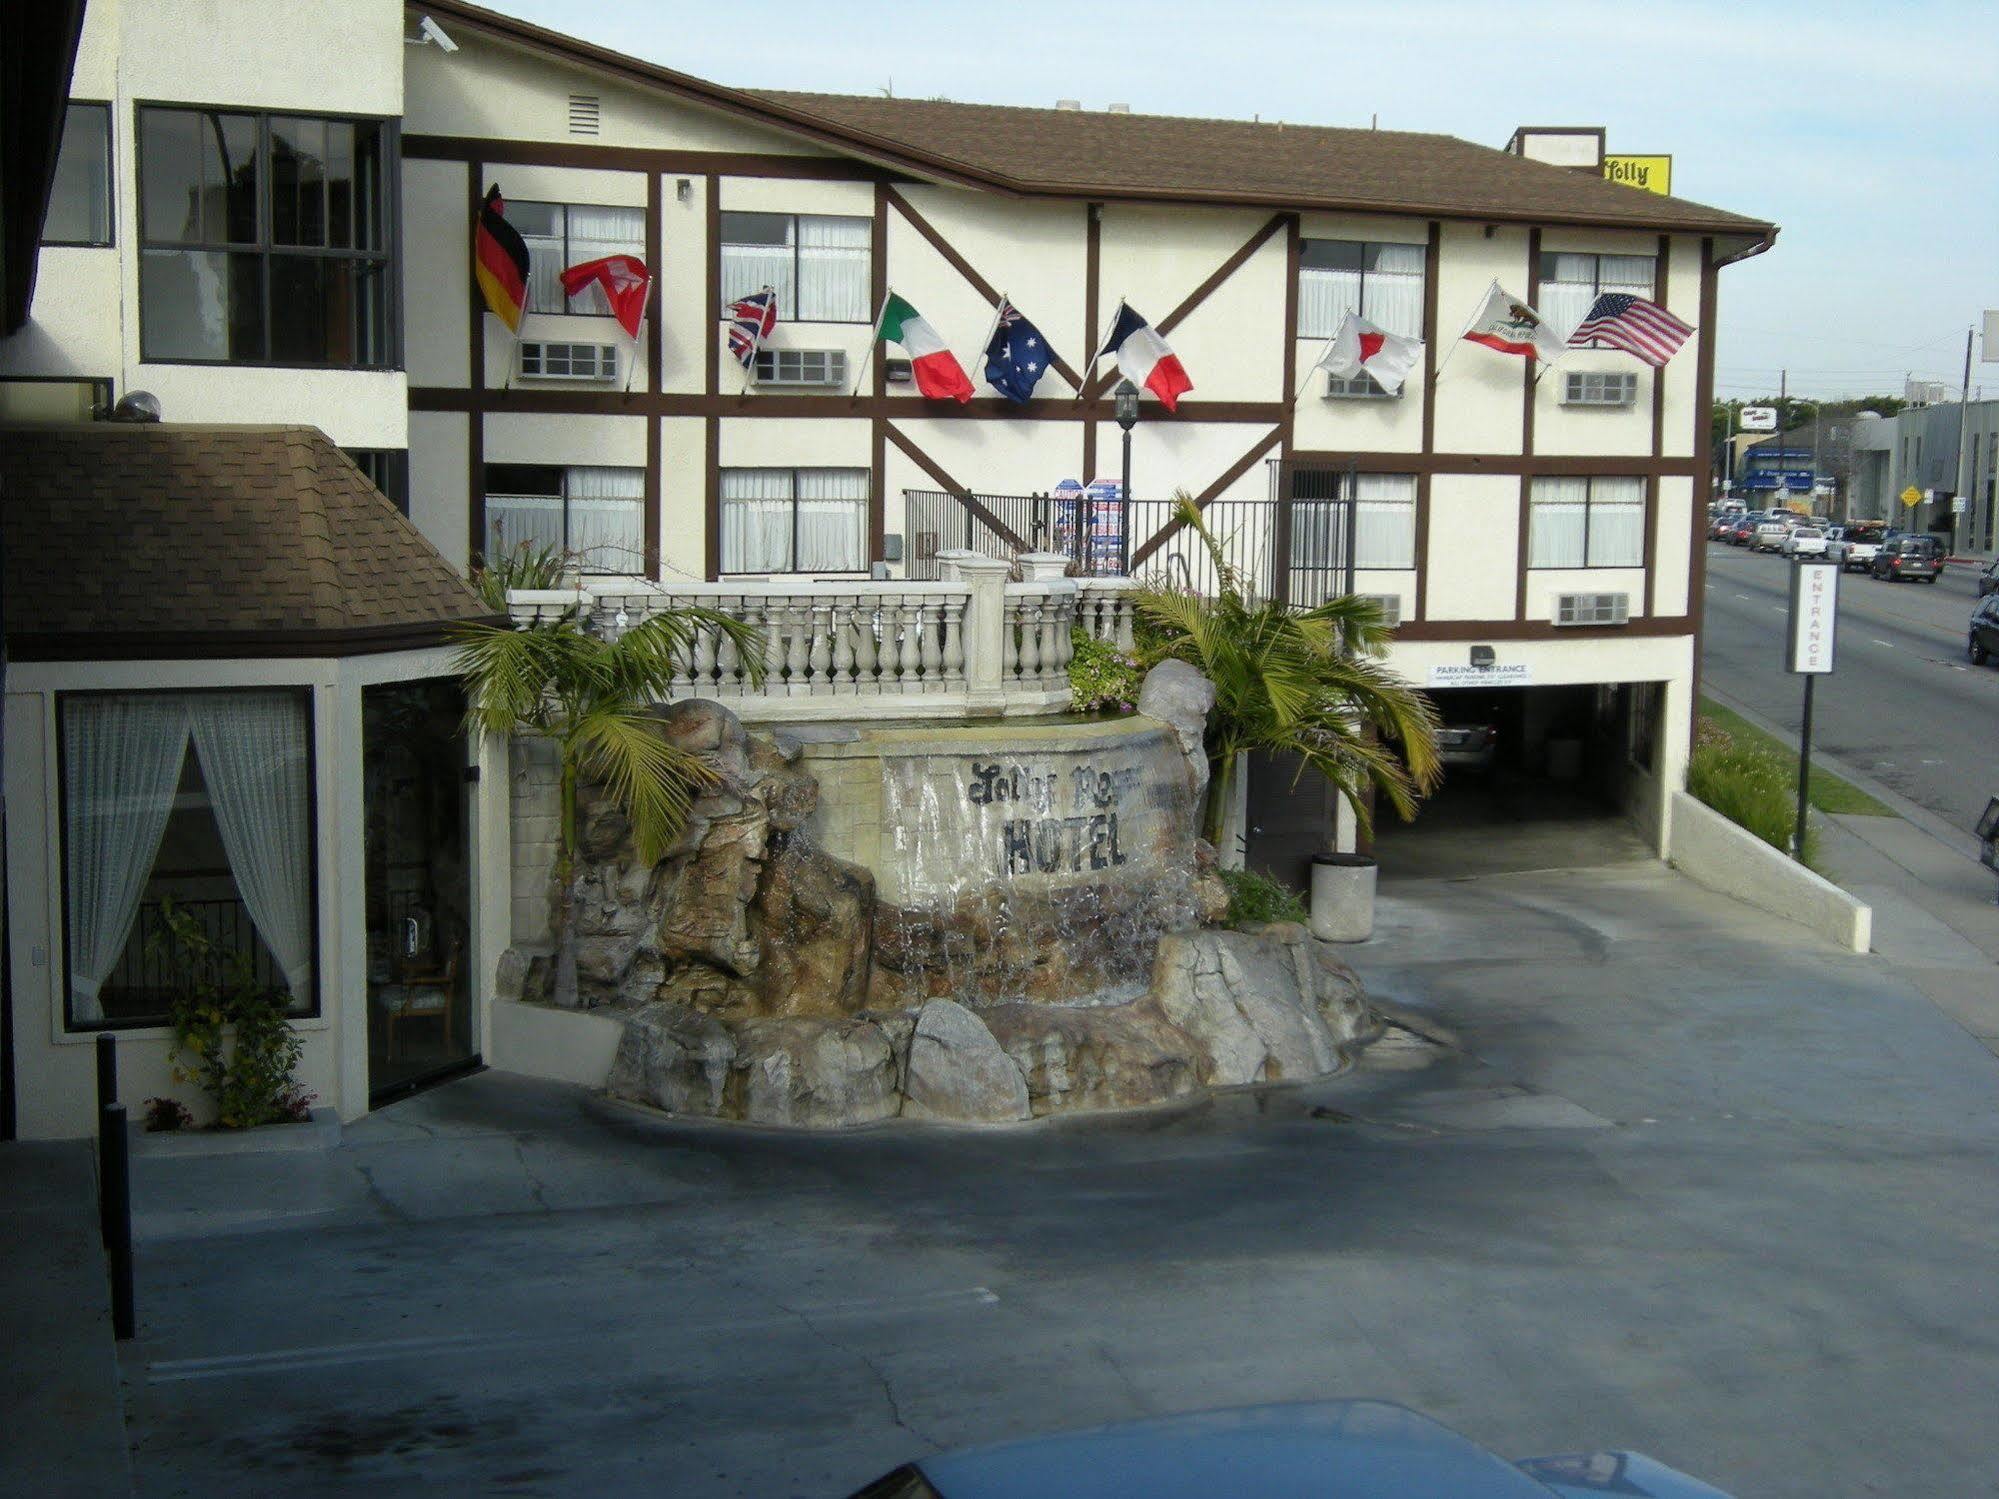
(653, 781)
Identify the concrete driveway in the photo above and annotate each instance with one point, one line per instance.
(1693, 1186)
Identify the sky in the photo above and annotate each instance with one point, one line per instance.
(1866, 132)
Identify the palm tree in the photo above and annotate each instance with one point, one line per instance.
(559, 680)
(1308, 682)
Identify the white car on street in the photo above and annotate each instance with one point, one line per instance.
(1853, 546)
(1804, 541)
(1768, 536)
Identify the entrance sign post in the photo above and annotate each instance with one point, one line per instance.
(1813, 622)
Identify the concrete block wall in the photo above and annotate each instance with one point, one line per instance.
(535, 791)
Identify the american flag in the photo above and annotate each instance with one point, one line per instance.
(1633, 325)
(750, 322)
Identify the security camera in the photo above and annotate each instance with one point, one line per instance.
(434, 33)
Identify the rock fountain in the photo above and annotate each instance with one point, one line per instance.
(981, 923)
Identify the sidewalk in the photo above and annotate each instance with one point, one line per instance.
(59, 1381)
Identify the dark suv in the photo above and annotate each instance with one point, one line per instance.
(1909, 557)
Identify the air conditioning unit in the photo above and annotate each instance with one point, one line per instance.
(1360, 388)
(1390, 605)
(802, 367)
(1592, 608)
(1599, 388)
(553, 361)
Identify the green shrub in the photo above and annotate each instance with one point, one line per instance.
(1751, 787)
(1255, 898)
(1102, 676)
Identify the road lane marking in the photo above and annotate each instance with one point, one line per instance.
(1881, 642)
(1745, 598)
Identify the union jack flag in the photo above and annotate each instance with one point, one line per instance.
(1634, 325)
(750, 322)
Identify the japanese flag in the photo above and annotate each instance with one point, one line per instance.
(1359, 345)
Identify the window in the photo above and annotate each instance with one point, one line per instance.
(818, 265)
(1570, 284)
(80, 198)
(1578, 522)
(201, 799)
(559, 235)
(388, 469)
(1384, 530)
(794, 520)
(1383, 283)
(1593, 388)
(802, 367)
(266, 239)
(596, 515)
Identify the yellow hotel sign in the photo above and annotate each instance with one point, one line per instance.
(1652, 174)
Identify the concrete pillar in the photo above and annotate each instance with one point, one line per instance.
(985, 622)
(1043, 567)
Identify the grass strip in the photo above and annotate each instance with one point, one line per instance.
(1828, 792)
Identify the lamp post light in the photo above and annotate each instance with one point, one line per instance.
(1127, 418)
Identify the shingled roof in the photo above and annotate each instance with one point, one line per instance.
(171, 540)
(1163, 158)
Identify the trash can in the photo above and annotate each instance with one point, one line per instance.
(1342, 897)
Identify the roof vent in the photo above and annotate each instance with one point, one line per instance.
(1068, 103)
(585, 112)
(1118, 109)
(137, 406)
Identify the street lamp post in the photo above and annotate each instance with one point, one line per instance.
(1127, 418)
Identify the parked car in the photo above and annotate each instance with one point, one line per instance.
(1720, 525)
(1768, 536)
(1468, 738)
(1358, 1449)
(1982, 639)
(1910, 555)
(1740, 532)
(1853, 546)
(1804, 541)
(1988, 580)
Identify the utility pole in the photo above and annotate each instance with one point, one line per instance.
(1783, 420)
(1963, 425)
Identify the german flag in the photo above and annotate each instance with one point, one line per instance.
(500, 261)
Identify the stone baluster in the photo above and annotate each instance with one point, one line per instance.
(1057, 641)
(891, 644)
(1123, 613)
(712, 649)
(954, 644)
(933, 643)
(1010, 641)
(841, 623)
(687, 673)
(823, 615)
(867, 647)
(798, 647)
(1031, 606)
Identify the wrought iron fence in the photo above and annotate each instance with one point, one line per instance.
(143, 982)
(1091, 531)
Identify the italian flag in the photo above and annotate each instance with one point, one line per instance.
(938, 373)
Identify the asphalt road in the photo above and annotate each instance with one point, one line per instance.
(1903, 704)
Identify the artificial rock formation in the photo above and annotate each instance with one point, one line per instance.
(761, 979)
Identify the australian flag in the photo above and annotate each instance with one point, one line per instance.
(1016, 356)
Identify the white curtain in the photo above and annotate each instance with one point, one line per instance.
(833, 269)
(1617, 523)
(515, 518)
(756, 520)
(1557, 522)
(1570, 284)
(747, 269)
(595, 232)
(1386, 289)
(545, 264)
(606, 518)
(121, 766)
(832, 520)
(252, 747)
(1385, 526)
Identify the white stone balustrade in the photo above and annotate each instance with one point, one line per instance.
(972, 645)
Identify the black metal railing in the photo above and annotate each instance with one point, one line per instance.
(143, 982)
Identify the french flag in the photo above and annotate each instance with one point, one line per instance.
(1144, 359)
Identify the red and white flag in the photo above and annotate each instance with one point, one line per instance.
(1359, 345)
(1144, 359)
(1506, 323)
(625, 281)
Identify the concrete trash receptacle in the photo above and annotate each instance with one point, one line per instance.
(1342, 897)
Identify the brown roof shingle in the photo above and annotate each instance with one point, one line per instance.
(161, 540)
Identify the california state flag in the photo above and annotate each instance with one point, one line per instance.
(1506, 323)
(1359, 345)
(938, 373)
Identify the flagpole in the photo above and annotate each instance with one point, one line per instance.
(1320, 361)
(991, 328)
(1467, 328)
(1090, 369)
(874, 337)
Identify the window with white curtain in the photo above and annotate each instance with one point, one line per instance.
(1383, 283)
(818, 264)
(594, 514)
(1570, 284)
(560, 235)
(794, 520)
(197, 802)
(1586, 522)
(1384, 522)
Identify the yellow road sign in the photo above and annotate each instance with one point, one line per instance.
(1652, 174)
(1912, 497)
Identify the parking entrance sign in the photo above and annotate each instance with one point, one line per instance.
(1814, 614)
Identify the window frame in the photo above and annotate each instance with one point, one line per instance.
(110, 240)
(1590, 502)
(69, 1025)
(1544, 276)
(390, 255)
(394, 477)
(488, 492)
(867, 500)
(1424, 332)
(568, 310)
(722, 240)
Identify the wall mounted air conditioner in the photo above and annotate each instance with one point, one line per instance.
(564, 361)
(1599, 388)
(1592, 608)
(1390, 605)
(814, 368)
(1360, 388)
